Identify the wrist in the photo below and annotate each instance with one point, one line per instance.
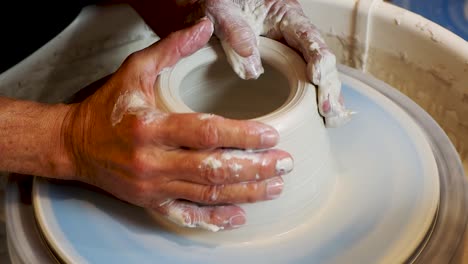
(30, 141)
(61, 157)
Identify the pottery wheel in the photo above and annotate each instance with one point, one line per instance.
(392, 205)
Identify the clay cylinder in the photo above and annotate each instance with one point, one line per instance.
(283, 98)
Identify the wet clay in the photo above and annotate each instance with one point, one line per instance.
(225, 94)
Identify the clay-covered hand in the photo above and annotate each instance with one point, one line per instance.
(190, 167)
(238, 23)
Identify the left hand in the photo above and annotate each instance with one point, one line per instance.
(191, 168)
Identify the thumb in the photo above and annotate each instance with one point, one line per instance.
(238, 39)
(168, 51)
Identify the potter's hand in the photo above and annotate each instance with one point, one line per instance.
(121, 142)
(239, 22)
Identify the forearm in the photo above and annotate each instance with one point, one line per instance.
(30, 139)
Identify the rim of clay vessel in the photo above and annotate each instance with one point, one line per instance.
(275, 55)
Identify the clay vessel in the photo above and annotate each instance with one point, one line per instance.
(283, 98)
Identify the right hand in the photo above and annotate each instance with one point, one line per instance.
(238, 23)
(181, 165)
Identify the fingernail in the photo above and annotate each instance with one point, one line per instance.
(237, 221)
(205, 18)
(254, 71)
(326, 107)
(284, 166)
(274, 188)
(269, 138)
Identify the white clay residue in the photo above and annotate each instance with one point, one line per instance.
(214, 196)
(245, 68)
(242, 155)
(209, 227)
(284, 165)
(447, 107)
(178, 214)
(326, 77)
(205, 116)
(212, 163)
(255, 16)
(314, 46)
(167, 201)
(235, 167)
(134, 103)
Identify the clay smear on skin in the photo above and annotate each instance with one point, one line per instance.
(135, 103)
(212, 163)
(179, 215)
(236, 168)
(205, 116)
(255, 17)
(282, 166)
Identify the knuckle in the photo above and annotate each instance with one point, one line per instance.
(213, 172)
(244, 37)
(132, 59)
(139, 165)
(209, 134)
(211, 193)
(138, 131)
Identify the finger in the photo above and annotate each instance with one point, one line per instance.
(149, 62)
(247, 192)
(180, 44)
(237, 37)
(206, 131)
(225, 166)
(301, 34)
(213, 218)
